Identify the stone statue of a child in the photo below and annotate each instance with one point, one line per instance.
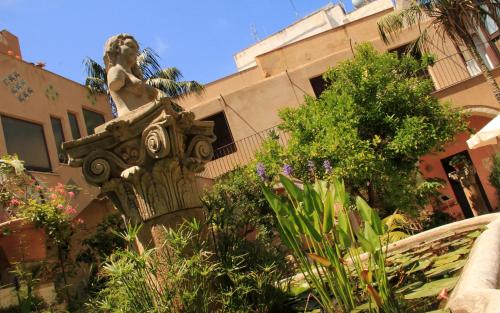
(125, 81)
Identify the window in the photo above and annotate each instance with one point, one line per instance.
(224, 144)
(27, 141)
(318, 85)
(416, 53)
(73, 124)
(92, 120)
(59, 138)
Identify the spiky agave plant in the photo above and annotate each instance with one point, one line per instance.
(452, 19)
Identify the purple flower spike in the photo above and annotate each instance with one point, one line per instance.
(261, 171)
(327, 166)
(287, 170)
(310, 166)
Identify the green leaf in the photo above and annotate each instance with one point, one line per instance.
(365, 244)
(371, 236)
(273, 200)
(343, 221)
(310, 228)
(291, 188)
(445, 268)
(369, 215)
(363, 307)
(432, 289)
(422, 265)
(328, 213)
(345, 239)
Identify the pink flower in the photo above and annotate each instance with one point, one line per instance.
(443, 294)
(71, 194)
(14, 202)
(79, 221)
(38, 187)
(60, 206)
(70, 210)
(53, 196)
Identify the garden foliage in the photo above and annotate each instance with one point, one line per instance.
(184, 275)
(49, 208)
(318, 224)
(230, 263)
(494, 177)
(372, 124)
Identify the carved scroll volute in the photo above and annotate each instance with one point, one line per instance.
(156, 141)
(96, 170)
(99, 165)
(200, 151)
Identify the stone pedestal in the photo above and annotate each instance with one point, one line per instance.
(145, 162)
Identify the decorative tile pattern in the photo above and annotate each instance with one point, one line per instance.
(51, 93)
(92, 98)
(18, 86)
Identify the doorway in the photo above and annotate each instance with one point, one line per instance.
(457, 188)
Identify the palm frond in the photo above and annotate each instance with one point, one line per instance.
(392, 25)
(171, 73)
(96, 76)
(175, 89)
(96, 85)
(148, 63)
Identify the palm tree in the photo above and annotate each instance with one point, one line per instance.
(453, 19)
(164, 79)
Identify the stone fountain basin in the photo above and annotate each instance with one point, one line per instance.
(477, 288)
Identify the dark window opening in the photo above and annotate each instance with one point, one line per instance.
(224, 144)
(57, 129)
(92, 120)
(318, 84)
(415, 53)
(73, 124)
(27, 141)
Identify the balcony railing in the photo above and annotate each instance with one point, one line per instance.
(458, 67)
(241, 152)
(445, 72)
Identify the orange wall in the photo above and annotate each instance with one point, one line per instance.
(430, 165)
(9, 42)
(40, 106)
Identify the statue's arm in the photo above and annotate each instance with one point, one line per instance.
(116, 79)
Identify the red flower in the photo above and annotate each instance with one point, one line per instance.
(70, 210)
(14, 202)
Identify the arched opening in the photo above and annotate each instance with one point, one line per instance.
(458, 197)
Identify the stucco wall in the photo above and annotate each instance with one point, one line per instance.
(52, 95)
(431, 166)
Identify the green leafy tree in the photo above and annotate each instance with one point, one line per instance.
(371, 125)
(453, 19)
(167, 80)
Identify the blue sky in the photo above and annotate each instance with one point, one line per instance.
(199, 37)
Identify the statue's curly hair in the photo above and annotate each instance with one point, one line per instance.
(112, 49)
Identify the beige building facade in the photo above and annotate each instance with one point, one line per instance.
(39, 110)
(283, 68)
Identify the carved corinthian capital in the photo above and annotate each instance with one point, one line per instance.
(145, 161)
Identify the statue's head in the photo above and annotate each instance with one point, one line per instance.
(115, 46)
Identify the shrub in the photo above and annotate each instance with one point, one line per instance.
(372, 124)
(169, 279)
